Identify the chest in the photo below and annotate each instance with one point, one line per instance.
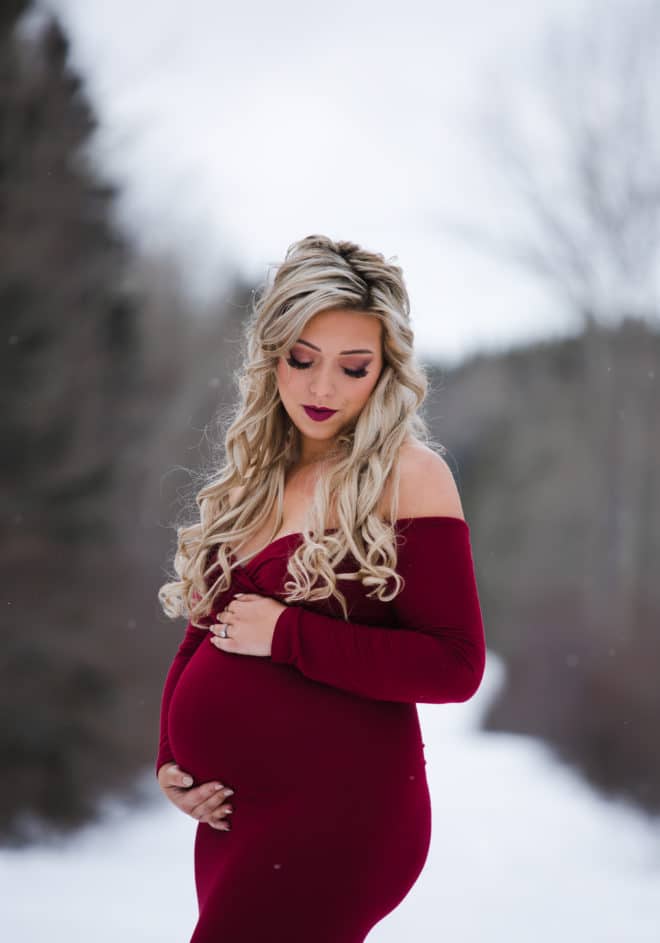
(295, 508)
(296, 504)
(266, 574)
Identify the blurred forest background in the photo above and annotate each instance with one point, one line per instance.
(110, 385)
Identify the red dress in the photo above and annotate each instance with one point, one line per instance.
(321, 742)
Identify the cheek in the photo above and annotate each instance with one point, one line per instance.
(288, 380)
(283, 375)
(365, 390)
(364, 396)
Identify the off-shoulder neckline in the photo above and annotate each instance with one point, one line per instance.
(427, 518)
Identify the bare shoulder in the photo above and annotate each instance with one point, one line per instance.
(426, 487)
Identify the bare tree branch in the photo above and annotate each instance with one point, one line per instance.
(578, 147)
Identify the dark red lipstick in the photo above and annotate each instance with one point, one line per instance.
(318, 413)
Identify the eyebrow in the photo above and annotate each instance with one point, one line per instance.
(358, 350)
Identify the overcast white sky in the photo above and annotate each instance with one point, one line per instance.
(235, 129)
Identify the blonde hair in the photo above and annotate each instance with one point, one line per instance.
(261, 443)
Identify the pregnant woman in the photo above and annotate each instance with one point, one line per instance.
(329, 587)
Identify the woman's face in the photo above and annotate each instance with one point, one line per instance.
(334, 363)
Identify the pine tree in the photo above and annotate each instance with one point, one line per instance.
(68, 369)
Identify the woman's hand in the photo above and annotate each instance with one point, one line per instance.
(250, 622)
(205, 802)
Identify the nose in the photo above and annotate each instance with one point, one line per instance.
(321, 386)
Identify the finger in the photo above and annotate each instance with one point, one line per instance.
(177, 777)
(221, 814)
(243, 597)
(224, 644)
(211, 804)
(217, 630)
(197, 799)
(163, 770)
(221, 818)
(225, 615)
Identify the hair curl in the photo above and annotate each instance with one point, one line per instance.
(261, 443)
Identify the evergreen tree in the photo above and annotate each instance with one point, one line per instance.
(68, 368)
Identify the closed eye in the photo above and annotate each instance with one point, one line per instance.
(304, 364)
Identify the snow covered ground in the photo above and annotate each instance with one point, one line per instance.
(522, 850)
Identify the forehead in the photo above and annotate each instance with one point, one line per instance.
(337, 329)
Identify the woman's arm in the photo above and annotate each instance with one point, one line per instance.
(192, 638)
(437, 656)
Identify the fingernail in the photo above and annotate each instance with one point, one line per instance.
(187, 781)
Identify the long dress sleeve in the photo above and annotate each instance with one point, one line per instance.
(192, 638)
(436, 654)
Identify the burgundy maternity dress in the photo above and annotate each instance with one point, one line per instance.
(321, 741)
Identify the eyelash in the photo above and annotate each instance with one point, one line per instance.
(356, 374)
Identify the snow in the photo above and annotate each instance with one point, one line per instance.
(521, 849)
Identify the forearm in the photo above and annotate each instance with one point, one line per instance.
(391, 664)
(437, 652)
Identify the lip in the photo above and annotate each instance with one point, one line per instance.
(318, 415)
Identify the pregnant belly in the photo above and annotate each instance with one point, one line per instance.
(265, 728)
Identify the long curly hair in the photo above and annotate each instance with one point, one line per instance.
(261, 443)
